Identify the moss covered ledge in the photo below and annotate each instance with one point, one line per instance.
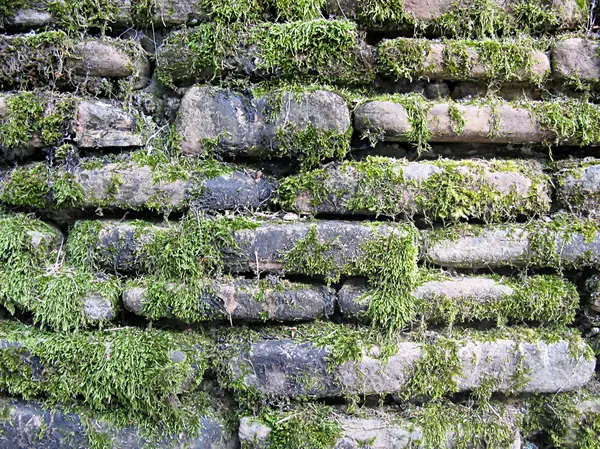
(495, 61)
(332, 51)
(445, 190)
(53, 59)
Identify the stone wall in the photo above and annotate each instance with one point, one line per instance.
(266, 224)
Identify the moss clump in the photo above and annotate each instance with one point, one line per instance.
(403, 58)
(8, 9)
(84, 15)
(142, 371)
(389, 260)
(290, 10)
(545, 299)
(227, 11)
(303, 51)
(454, 191)
(29, 115)
(568, 120)
(320, 429)
(567, 419)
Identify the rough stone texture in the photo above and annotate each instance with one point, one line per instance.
(104, 124)
(507, 124)
(293, 369)
(511, 246)
(435, 66)
(578, 186)
(248, 300)
(263, 249)
(133, 186)
(529, 191)
(578, 58)
(244, 125)
(353, 303)
(111, 59)
(384, 430)
(31, 425)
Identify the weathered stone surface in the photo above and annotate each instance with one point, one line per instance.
(289, 368)
(253, 126)
(246, 300)
(129, 185)
(577, 58)
(111, 59)
(31, 425)
(544, 299)
(578, 186)
(537, 244)
(385, 429)
(104, 124)
(503, 124)
(121, 246)
(55, 60)
(395, 187)
(261, 52)
(569, 13)
(439, 63)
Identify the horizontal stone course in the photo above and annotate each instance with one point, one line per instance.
(448, 299)
(331, 51)
(461, 60)
(562, 242)
(277, 124)
(29, 425)
(285, 367)
(387, 428)
(261, 247)
(131, 185)
(444, 189)
(53, 59)
(472, 123)
(237, 299)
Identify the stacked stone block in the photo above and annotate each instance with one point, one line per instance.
(319, 224)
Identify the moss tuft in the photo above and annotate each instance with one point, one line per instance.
(84, 15)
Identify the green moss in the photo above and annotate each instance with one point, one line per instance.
(9, 7)
(27, 116)
(564, 419)
(142, 371)
(290, 10)
(568, 120)
(83, 15)
(456, 190)
(312, 427)
(304, 50)
(403, 58)
(227, 11)
(27, 186)
(312, 257)
(142, 12)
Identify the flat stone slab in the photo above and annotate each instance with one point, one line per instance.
(288, 368)
(576, 58)
(578, 186)
(563, 242)
(447, 61)
(134, 186)
(77, 65)
(544, 299)
(482, 124)
(388, 428)
(337, 247)
(259, 52)
(237, 299)
(272, 125)
(568, 12)
(31, 425)
(444, 189)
